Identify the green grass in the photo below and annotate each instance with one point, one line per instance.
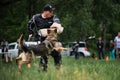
(71, 69)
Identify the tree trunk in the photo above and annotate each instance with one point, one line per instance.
(30, 8)
(103, 34)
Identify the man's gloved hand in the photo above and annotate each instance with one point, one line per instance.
(30, 35)
(30, 38)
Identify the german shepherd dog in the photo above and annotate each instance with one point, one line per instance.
(43, 49)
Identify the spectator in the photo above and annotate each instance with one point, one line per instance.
(100, 48)
(4, 47)
(76, 50)
(117, 45)
(112, 50)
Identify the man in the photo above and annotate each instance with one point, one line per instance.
(42, 22)
(100, 48)
(76, 46)
(117, 45)
(4, 47)
(112, 50)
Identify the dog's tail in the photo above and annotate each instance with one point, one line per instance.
(22, 44)
(20, 40)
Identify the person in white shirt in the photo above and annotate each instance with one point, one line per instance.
(117, 45)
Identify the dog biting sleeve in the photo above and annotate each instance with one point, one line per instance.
(58, 26)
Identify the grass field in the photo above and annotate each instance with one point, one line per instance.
(71, 69)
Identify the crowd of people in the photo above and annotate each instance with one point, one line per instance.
(114, 48)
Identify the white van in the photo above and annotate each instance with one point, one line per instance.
(13, 48)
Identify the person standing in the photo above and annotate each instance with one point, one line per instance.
(117, 45)
(4, 47)
(100, 48)
(112, 50)
(76, 46)
(41, 22)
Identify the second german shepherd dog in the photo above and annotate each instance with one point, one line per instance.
(43, 49)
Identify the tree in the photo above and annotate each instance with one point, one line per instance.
(105, 13)
(80, 19)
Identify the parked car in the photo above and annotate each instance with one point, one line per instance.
(82, 50)
(13, 47)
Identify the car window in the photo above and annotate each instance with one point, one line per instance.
(17, 46)
(82, 45)
(11, 46)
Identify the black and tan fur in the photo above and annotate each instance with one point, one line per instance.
(43, 49)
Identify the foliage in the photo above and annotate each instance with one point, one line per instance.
(80, 19)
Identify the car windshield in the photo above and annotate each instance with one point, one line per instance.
(80, 44)
(11, 47)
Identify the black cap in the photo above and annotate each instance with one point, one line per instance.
(48, 8)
